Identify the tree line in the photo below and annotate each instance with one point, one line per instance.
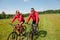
(50, 12)
(3, 15)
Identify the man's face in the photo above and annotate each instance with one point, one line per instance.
(32, 11)
(17, 13)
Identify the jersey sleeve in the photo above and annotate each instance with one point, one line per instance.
(13, 19)
(29, 17)
(36, 17)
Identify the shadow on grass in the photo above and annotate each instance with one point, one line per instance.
(41, 33)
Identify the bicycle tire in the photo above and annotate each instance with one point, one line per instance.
(13, 34)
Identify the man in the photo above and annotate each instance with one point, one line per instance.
(20, 19)
(34, 16)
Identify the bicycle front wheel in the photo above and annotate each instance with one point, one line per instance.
(30, 36)
(12, 36)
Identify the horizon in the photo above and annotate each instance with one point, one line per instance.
(27, 13)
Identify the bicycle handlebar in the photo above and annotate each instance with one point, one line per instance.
(31, 24)
(27, 23)
(12, 24)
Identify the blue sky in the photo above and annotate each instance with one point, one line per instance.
(10, 6)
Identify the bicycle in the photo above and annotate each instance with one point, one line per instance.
(33, 31)
(14, 35)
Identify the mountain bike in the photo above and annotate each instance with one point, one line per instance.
(16, 34)
(33, 31)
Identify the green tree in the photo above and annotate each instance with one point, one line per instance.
(3, 14)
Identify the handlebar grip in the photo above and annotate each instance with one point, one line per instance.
(12, 24)
(27, 23)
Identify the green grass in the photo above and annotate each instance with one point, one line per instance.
(47, 22)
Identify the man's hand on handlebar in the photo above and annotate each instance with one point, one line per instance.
(26, 23)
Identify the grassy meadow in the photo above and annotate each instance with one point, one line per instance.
(48, 22)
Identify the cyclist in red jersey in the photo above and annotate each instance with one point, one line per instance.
(34, 16)
(20, 19)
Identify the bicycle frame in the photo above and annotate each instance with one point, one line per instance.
(32, 31)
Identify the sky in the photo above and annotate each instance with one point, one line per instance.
(24, 6)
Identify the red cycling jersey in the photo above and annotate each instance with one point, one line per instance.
(34, 16)
(19, 17)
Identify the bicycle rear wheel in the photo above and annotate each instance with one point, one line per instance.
(12, 36)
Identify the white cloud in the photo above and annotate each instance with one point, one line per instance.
(26, 0)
